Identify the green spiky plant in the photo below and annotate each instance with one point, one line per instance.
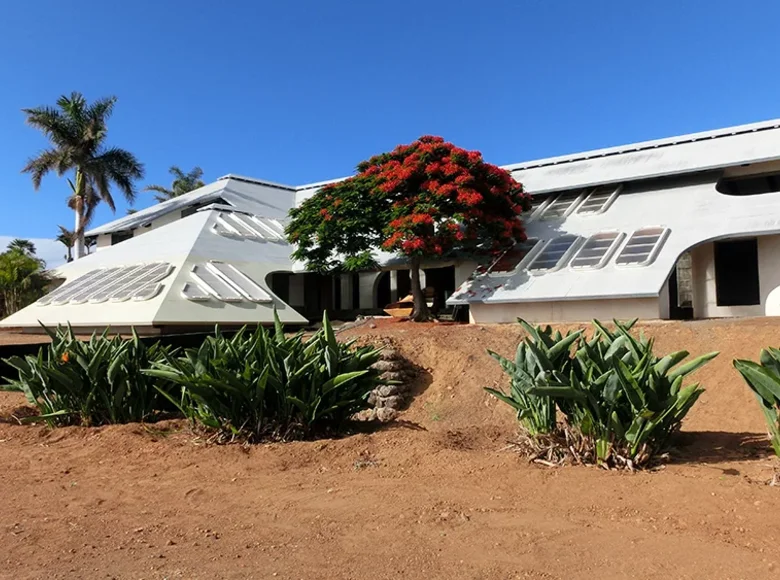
(621, 402)
(91, 382)
(764, 380)
(261, 383)
(534, 361)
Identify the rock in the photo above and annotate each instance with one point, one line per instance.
(390, 354)
(386, 414)
(372, 398)
(390, 390)
(393, 402)
(388, 366)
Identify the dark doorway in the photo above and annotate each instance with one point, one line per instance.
(736, 273)
(280, 285)
(383, 290)
(317, 295)
(442, 281)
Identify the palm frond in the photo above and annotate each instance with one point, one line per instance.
(46, 161)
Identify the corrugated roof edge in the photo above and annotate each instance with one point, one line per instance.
(645, 145)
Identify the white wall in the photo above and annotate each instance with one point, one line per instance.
(565, 311)
(704, 292)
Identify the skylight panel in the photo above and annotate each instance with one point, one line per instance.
(596, 251)
(194, 292)
(538, 203)
(272, 227)
(104, 291)
(642, 247)
(147, 292)
(214, 284)
(599, 199)
(149, 276)
(561, 206)
(513, 259)
(73, 286)
(248, 287)
(80, 295)
(245, 228)
(223, 228)
(554, 254)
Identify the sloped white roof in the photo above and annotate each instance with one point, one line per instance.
(188, 243)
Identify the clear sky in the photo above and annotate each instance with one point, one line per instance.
(301, 91)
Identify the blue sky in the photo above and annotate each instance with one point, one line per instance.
(301, 91)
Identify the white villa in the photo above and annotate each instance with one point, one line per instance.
(687, 227)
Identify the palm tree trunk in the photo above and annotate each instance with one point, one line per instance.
(78, 243)
(420, 312)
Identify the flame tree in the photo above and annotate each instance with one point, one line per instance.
(426, 200)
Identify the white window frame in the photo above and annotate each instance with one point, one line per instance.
(606, 205)
(562, 261)
(541, 213)
(653, 253)
(535, 249)
(619, 236)
(540, 208)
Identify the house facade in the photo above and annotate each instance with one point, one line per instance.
(687, 227)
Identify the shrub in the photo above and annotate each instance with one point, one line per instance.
(620, 402)
(262, 383)
(764, 380)
(533, 359)
(91, 382)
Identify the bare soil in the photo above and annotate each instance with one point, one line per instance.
(435, 494)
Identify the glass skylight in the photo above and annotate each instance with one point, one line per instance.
(241, 282)
(554, 254)
(596, 251)
(642, 247)
(224, 282)
(561, 206)
(119, 283)
(238, 225)
(599, 199)
(512, 259)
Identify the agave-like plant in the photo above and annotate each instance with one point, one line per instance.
(620, 401)
(535, 360)
(262, 383)
(92, 382)
(764, 380)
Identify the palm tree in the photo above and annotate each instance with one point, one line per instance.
(77, 133)
(24, 246)
(182, 183)
(68, 239)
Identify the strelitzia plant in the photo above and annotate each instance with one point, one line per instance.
(764, 380)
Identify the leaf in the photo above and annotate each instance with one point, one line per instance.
(691, 366)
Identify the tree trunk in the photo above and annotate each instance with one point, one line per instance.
(420, 312)
(78, 245)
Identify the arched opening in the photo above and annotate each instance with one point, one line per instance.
(744, 185)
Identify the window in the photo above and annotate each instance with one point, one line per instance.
(736, 273)
(750, 184)
(554, 254)
(561, 206)
(599, 200)
(118, 237)
(211, 282)
(538, 203)
(119, 283)
(241, 281)
(224, 282)
(642, 247)
(596, 251)
(510, 260)
(250, 227)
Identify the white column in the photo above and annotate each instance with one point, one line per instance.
(296, 290)
(393, 285)
(367, 281)
(346, 291)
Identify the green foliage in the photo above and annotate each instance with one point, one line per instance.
(77, 132)
(262, 383)
(22, 277)
(620, 401)
(182, 183)
(533, 361)
(91, 382)
(764, 380)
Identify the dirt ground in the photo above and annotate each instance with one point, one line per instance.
(434, 495)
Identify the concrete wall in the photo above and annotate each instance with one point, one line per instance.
(565, 311)
(704, 292)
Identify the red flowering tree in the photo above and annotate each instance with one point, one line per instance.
(426, 200)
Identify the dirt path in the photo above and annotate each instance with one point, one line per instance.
(432, 496)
